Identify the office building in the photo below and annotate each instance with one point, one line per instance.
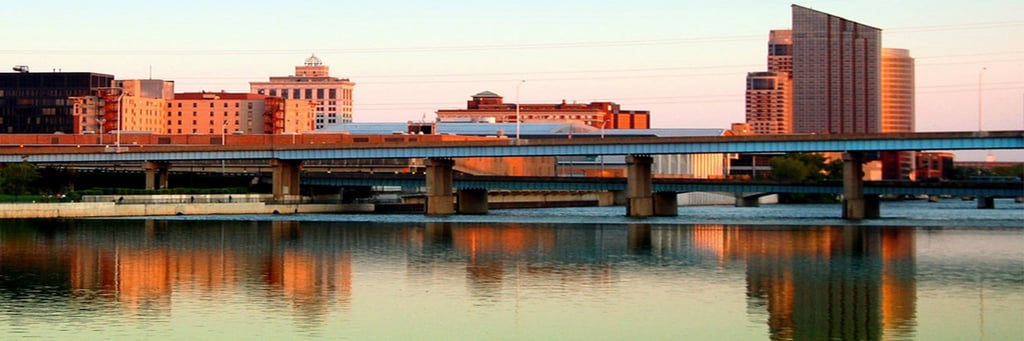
(312, 82)
(897, 110)
(40, 102)
(237, 113)
(836, 74)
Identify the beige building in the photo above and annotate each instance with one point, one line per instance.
(237, 113)
(312, 82)
(141, 103)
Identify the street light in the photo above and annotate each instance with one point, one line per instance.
(980, 72)
(120, 100)
(517, 109)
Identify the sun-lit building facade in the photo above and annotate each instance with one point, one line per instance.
(836, 74)
(769, 94)
(490, 107)
(237, 113)
(312, 82)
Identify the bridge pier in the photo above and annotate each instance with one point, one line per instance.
(639, 189)
(285, 178)
(439, 187)
(472, 201)
(666, 204)
(986, 202)
(156, 174)
(856, 205)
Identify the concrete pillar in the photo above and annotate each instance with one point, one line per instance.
(638, 186)
(742, 200)
(285, 178)
(472, 201)
(872, 206)
(156, 174)
(666, 204)
(439, 187)
(986, 202)
(853, 186)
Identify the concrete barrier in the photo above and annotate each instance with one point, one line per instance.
(113, 209)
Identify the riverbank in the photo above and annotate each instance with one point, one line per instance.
(114, 209)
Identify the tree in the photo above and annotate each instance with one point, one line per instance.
(15, 178)
(805, 167)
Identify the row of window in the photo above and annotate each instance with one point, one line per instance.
(194, 122)
(308, 93)
(196, 104)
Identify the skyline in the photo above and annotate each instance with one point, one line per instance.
(684, 62)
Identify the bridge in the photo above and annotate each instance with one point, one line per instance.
(643, 201)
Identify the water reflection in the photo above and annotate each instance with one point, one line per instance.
(843, 282)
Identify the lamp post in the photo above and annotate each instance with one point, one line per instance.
(980, 73)
(517, 109)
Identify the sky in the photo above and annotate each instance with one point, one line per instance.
(684, 61)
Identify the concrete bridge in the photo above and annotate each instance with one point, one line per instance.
(286, 159)
(471, 192)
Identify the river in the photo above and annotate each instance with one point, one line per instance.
(925, 271)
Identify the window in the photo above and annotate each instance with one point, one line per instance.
(273, 92)
(225, 104)
(309, 94)
(195, 105)
(332, 94)
(250, 105)
(295, 94)
(319, 93)
(211, 104)
(179, 104)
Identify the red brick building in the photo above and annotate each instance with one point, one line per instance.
(488, 106)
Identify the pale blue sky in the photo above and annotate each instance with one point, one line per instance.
(685, 61)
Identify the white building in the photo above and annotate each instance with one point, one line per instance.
(312, 81)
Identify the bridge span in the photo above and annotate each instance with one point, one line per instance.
(286, 159)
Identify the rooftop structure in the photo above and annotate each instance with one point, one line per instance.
(312, 82)
(487, 106)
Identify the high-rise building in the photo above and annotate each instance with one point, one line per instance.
(897, 110)
(836, 74)
(487, 106)
(769, 95)
(780, 51)
(40, 102)
(312, 81)
(897, 91)
(769, 102)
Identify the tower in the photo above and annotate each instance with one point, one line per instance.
(836, 74)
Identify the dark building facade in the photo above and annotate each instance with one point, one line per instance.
(38, 103)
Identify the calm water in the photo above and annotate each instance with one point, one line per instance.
(928, 271)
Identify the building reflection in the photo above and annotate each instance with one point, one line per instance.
(808, 282)
(823, 283)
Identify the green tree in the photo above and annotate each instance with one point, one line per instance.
(805, 167)
(15, 178)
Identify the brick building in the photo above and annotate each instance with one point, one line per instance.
(490, 107)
